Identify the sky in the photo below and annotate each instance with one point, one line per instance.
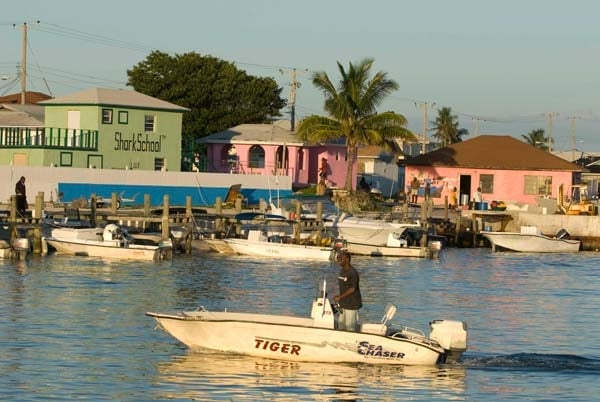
(503, 67)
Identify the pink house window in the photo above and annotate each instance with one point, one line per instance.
(282, 160)
(256, 157)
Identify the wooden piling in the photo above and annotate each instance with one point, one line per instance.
(218, 206)
(165, 229)
(298, 222)
(114, 203)
(93, 210)
(319, 211)
(39, 206)
(13, 208)
(146, 204)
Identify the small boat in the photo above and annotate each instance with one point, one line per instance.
(260, 245)
(372, 232)
(396, 246)
(531, 240)
(315, 338)
(110, 242)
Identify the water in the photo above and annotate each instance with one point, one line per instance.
(74, 328)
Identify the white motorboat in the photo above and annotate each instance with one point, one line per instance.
(110, 242)
(315, 338)
(260, 245)
(366, 231)
(396, 246)
(531, 240)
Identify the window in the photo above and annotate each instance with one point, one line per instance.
(107, 116)
(66, 159)
(486, 182)
(149, 121)
(282, 157)
(538, 185)
(159, 163)
(123, 117)
(256, 157)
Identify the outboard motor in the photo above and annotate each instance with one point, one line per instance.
(112, 232)
(451, 335)
(22, 246)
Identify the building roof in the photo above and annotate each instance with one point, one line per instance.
(277, 133)
(31, 97)
(494, 152)
(114, 97)
(16, 115)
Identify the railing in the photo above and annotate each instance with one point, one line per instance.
(49, 137)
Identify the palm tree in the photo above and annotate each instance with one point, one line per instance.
(538, 139)
(445, 127)
(351, 106)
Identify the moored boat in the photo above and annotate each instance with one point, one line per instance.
(531, 240)
(258, 244)
(315, 338)
(110, 242)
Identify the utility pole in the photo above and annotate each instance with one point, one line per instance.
(572, 118)
(24, 63)
(551, 115)
(294, 84)
(424, 106)
(475, 126)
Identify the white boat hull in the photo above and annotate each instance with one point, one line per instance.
(218, 245)
(280, 250)
(384, 251)
(91, 248)
(530, 243)
(294, 339)
(369, 231)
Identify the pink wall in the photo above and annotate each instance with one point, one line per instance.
(508, 185)
(307, 174)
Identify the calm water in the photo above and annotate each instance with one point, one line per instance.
(74, 328)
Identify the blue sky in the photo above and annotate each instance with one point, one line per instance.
(504, 66)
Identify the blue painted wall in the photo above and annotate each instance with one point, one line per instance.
(201, 196)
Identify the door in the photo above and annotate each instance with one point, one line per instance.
(20, 160)
(464, 189)
(73, 127)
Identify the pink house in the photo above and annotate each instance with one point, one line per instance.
(504, 167)
(273, 149)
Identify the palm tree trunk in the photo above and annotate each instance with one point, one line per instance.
(351, 150)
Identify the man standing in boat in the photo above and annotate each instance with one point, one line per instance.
(349, 299)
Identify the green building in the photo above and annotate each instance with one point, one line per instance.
(99, 128)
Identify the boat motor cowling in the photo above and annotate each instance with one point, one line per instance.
(451, 335)
(112, 232)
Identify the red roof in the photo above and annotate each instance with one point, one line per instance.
(494, 152)
(31, 97)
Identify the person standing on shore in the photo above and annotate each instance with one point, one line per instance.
(453, 198)
(414, 190)
(21, 193)
(478, 195)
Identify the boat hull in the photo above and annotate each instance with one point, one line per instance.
(384, 251)
(295, 339)
(530, 243)
(280, 250)
(99, 249)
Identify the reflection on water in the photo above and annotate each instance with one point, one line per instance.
(236, 377)
(74, 328)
